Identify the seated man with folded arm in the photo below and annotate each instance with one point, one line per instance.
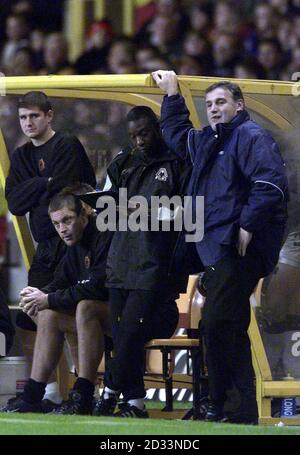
(74, 302)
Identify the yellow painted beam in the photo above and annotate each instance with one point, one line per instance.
(270, 114)
(75, 27)
(259, 352)
(196, 83)
(128, 17)
(186, 93)
(73, 82)
(281, 388)
(99, 9)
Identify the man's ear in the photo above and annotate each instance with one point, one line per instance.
(83, 211)
(240, 105)
(50, 115)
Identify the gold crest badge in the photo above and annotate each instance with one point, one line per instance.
(41, 165)
(87, 262)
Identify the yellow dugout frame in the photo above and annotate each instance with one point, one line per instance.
(271, 101)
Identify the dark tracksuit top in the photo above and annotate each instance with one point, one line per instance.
(141, 260)
(81, 276)
(27, 187)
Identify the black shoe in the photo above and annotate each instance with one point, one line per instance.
(10, 402)
(128, 410)
(49, 406)
(76, 404)
(240, 419)
(105, 406)
(214, 413)
(17, 404)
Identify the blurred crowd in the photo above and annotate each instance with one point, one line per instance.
(225, 38)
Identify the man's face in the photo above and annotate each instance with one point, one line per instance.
(221, 107)
(69, 225)
(144, 135)
(34, 122)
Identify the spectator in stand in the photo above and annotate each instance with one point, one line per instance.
(266, 21)
(23, 63)
(56, 55)
(17, 36)
(165, 34)
(93, 59)
(196, 46)
(170, 9)
(191, 66)
(270, 57)
(121, 56)
(225, 55)
(249, 68)
(37, 43)
(280, 6)
(201, 18)
(144, 53)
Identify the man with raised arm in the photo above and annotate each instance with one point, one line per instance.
(238, 169)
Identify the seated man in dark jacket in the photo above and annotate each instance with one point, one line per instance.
(6, 327)
(75, 301)
(142, 296)
(238, 169)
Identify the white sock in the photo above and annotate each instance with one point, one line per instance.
(52, 393)
(138, 403)
(108, 392)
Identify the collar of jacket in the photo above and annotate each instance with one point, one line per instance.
(224, 129)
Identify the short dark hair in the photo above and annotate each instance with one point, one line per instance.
(234, 89)
(78, 188)
(35, 99)
(65, 199)
(138, 112)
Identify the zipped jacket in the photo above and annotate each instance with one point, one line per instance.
(141, 260)
(241, 174)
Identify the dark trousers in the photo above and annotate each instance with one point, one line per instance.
(137, 316)
(46, 259)
(226, 318)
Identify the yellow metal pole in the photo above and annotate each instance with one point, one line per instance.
(128, 17)
(99, 9)
(75, 27)
(20, 223)
(76, 82)
(186, 93)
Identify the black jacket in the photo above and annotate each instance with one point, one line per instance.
(27, 187)
(81, 276)
(141, 260)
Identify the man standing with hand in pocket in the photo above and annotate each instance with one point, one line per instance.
(238, 169)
